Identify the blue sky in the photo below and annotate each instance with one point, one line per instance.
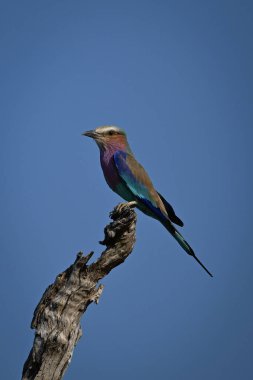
(177, 76)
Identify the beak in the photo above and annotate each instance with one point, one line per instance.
(91, 134)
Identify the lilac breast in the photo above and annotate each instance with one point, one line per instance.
(110, 172)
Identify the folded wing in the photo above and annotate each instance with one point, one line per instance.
(139, 183)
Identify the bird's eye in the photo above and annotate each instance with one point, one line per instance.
(111, 133)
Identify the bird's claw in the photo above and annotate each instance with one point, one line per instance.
(132, 204)
(121, 206)
(121, 215)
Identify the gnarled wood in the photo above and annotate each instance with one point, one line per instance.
(57, 317)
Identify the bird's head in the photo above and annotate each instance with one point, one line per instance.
(109, 136)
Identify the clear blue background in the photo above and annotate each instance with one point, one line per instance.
(177, 75)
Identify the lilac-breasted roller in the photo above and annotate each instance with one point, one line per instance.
(126, 177)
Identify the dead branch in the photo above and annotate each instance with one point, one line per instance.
(57, 317)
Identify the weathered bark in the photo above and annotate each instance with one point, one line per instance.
(57, 317)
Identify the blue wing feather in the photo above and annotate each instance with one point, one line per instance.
(126, 173)
(136, 186)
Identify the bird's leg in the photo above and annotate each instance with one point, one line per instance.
(121, 215)
(121, 206)
(132, 204)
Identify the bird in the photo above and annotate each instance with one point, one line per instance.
(127, 177)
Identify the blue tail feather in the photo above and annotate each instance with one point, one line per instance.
(187, 248)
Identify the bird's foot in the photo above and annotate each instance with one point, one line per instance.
(121, 209)
(122, 215)
(132, 204)
(122, 206)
